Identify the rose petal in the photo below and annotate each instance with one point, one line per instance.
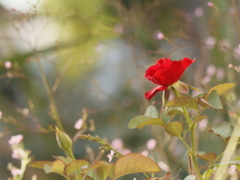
(164, 77)
(164, 63)
(187, 62)
(148, 95)
(151, 71)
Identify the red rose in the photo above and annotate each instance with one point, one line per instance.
(164, 73)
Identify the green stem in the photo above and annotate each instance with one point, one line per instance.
(54, 110)
(192, 127)
(183, 108)
(79, 177)
(194, 159)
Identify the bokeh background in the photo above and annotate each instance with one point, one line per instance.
(94, 54)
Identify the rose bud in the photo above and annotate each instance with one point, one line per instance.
(64, 141)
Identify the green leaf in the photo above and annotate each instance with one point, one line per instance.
(207, 156)
(214, 100)
(181, 87)
(190, 177)
(99, 164)
(187, 102)
(151, 112)
(207, 174)
(174, 128)
(171, 111)
(222, 88)
(134, 163)
(200, 118)
(56, 167)
(39, 164)
(101, 170)
(193, 88)
(223, 130)
(74, 165)
(141, 121)
(63, 159)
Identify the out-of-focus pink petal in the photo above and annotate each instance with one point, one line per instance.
(148, 95)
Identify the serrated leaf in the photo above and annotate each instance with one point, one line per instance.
(222, 88)
(187, 102)
(39, 164)
(101, 170)
(151, 111)
(223, 130)
(214, 100)
(63, 159)
(141, 121)
(190, 177)
(174, 128)
(74, 165)
(200, 118)
(181, 87)
(134, 163)
(207, 156)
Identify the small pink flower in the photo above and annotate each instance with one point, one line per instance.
(15, 139)
(160, 36)
(151, 144)
(230, 65)
(13, 9)
(220, 74)
(78, 124)
(210, 41)
(202, 125)
(210, 4)
(17, 153)
(211, 70)
(8, 64)
(199, 11)
(232, 169)
(110, 156)
(117, 144)
(16, 172)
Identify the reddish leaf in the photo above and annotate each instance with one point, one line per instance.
(207, 156)
(134, 163)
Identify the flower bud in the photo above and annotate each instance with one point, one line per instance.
(64, 141)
